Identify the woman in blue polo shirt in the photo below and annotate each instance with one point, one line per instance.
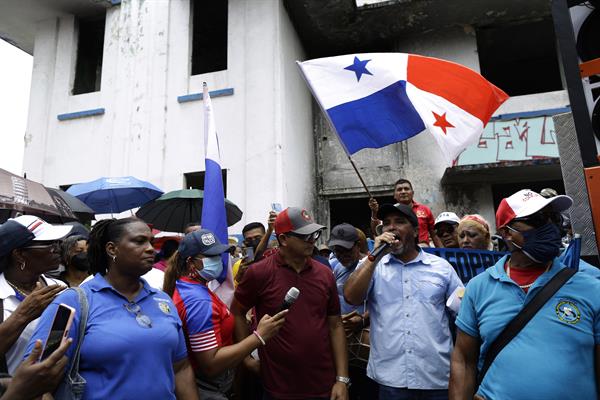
(134, 345)
(207, 322)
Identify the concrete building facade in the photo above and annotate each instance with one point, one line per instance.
(145, 119)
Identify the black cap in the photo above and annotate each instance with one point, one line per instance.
(344, 235)
(403, 209)
(202, 242)
(13, 235)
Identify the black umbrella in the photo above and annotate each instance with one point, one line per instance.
(174, 210)
(81, 210)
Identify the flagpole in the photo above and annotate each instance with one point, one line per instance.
(362, 181)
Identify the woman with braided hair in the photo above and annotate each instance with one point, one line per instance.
(134, 344)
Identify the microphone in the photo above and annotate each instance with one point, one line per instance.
(290, 297)
(376, 253)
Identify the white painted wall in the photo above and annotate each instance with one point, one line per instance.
(265, 128)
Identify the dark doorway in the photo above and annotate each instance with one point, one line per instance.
(355, 211)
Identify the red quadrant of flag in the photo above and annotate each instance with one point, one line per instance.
(457, 84)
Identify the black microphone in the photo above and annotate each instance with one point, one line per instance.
(290, 297)
(376, 253)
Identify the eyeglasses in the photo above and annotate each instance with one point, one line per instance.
(538, 219)
(55, 246)
(311, 237)
(142, 319)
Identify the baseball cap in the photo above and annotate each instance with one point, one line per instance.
(297, 220)
(403, 209)
(19, 231)
(527, 202)
(447, 217)
(344, 235)
(202, 242)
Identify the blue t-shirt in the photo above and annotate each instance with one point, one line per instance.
(119, 358)
(341, 275)
(553, 356)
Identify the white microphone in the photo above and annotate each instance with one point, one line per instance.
(290, 297)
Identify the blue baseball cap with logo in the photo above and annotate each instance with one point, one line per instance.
(202, 242)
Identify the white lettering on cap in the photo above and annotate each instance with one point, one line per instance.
(208, 239)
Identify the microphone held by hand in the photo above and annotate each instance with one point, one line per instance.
(379, 251)
(290, 297)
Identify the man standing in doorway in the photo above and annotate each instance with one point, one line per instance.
(404, 194)
(307, 359)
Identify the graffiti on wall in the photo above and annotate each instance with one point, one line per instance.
(513, 140)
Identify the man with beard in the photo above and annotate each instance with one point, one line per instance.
(560, 343)
(406, 292)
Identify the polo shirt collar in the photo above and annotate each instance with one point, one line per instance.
(422, 258)
(5, 290)
(498, 272)
(99, 283)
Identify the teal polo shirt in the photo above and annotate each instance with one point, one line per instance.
(119, 358)
(553, 356)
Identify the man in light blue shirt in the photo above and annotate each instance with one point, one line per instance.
(406, 293)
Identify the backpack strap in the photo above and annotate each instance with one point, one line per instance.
(84, 311)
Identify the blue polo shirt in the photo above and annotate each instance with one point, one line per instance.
(410, 334)
(341, 275)
(119, 358)
(553, 356)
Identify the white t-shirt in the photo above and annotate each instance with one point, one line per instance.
(14, 356)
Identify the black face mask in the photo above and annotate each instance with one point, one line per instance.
(80, 262)
(252, 243)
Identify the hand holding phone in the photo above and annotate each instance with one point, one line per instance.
(276, 207)
(60, 329)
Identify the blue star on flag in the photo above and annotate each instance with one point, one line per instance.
(359, 67)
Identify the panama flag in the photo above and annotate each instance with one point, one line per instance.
(377, 99)
(214, 216)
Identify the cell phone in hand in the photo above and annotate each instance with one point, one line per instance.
(249, 255)
(60, 329)
(276, 207)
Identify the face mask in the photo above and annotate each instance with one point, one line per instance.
(541, 244)
(252, 243)
(80, 262)
(213, 267)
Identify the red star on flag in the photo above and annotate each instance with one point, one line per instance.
(442, 122)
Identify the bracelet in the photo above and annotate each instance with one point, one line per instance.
(262, 341)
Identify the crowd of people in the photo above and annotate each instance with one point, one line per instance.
(310, 318)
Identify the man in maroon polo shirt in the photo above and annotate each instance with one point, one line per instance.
(308, 358)
(404, 194)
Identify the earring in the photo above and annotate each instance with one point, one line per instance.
(22, 266)
(114, 258)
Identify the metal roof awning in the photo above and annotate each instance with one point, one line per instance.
(542, 169)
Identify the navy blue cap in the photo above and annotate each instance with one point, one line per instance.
(202, 242)
(403, 209)
(13, 235)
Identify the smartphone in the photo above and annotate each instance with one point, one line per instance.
(60, 329)
(276, 207)
(249, 257)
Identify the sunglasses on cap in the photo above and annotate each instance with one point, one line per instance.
(306, 238)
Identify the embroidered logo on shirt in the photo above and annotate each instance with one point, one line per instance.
(208, 239)
(164, 307)
(567, 311)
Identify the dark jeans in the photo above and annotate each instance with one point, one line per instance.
(267, 397)
(391, 393)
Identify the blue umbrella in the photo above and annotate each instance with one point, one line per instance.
(115, 195)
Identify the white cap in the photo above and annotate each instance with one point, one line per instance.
(448, 217)
(526, 202)
(41, 229)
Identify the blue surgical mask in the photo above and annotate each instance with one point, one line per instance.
(541, 244)
(213, 267)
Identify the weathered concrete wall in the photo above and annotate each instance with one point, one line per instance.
(265, 128)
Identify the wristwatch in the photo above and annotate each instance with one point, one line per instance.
(343, 379)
